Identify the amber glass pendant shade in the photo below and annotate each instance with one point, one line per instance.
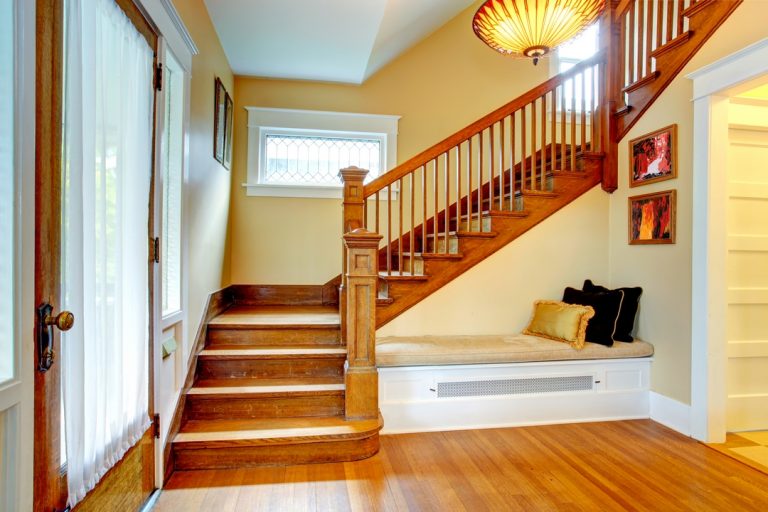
(532, 28)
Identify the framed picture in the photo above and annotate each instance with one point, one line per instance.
(652, 218)
(653, 157)
(228, 120)
(219, 121)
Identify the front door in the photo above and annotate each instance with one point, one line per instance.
(94, 176)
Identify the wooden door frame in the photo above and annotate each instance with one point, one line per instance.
(50, 486)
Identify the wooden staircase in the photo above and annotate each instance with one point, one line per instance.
(287, 374)
(269, 389)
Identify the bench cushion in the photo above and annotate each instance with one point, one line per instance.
(517, 348)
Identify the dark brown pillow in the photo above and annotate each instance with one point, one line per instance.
(628, 309)
(602, 327)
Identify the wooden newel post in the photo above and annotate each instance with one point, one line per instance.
(361, 377)
(352, 218)
(612, 97)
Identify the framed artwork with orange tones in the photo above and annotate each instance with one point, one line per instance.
(652, 218)
(653, 157)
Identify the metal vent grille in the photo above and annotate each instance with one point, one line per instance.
(514, 386)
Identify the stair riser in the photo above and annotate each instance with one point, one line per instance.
(304, 453)
(415, 265)
(453, 245)
(475, 224)
(208, 408)
(329, 336)
(271, 368)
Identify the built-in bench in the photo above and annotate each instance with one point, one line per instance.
(432, 383)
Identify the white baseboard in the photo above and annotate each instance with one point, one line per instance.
(671, 413)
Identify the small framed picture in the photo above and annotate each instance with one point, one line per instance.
(652, 218)
(653, 157)
(228, 120)
(219, 121)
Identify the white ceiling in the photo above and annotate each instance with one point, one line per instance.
(324, 40)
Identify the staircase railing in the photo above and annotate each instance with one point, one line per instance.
(483, 167)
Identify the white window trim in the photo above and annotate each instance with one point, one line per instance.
(312, 122)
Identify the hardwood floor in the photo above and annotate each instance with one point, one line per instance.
(627, 465)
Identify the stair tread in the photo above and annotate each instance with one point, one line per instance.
(396, 274)
(432, 255)
(276, 316)
(285, 381)
(285, 389)
(272, 351)
(270, 430)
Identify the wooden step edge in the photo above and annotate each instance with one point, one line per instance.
(540, 193)
(235, 392)
(477, 234)
(626, 109)
(401, 277)
(641, 83)
(352, 430)
(696, 8)
(313, 352)
(518, 214)
(671, 45)
(579, 175)
(384, 301)
(442, 255)
(212, 326)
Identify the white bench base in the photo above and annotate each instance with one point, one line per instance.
(421, 398)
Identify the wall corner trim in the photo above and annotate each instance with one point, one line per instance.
(670, 413)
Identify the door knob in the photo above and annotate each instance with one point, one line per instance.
(46, 321)
(63, 321)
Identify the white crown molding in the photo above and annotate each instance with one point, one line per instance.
(173, 14)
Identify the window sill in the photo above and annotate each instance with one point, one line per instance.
(301, 191)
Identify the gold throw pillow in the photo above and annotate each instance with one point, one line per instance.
(560, 322)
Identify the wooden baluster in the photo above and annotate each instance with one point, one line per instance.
(389, 230)
(543, 175)
(365, 214)
(502, 161)
(512, 173)
(669, 21)
(378, 229)
(492, 161)
(534, 167)
(648, 36)
(447, 214)
(411, 240)
(523, 163)
(640, 31)
(583, 111)
(593, 110)
(623, 51)
(680, 17)
(424, 209)
(400, 230)
(631, 53)
(563, 155)
(361, 383)
(435, 223)
(470, 192)
(573, 124)
(659, 25)
(458, 185)
(553, 134)
(479, 182)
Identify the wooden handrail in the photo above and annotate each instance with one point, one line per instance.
(484, 122)
(622, 8)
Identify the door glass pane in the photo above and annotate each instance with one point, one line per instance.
(7, 355)
(172, 168)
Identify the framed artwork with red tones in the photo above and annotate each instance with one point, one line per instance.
(652, 218)
(653, 157)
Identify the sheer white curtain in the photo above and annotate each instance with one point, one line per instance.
(107, 162)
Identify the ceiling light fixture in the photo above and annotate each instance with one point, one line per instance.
(532, 28)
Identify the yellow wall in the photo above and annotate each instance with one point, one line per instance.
(664, 271)
(439, 86)
(208, 183)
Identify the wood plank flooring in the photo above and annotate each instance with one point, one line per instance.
(611, 466)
